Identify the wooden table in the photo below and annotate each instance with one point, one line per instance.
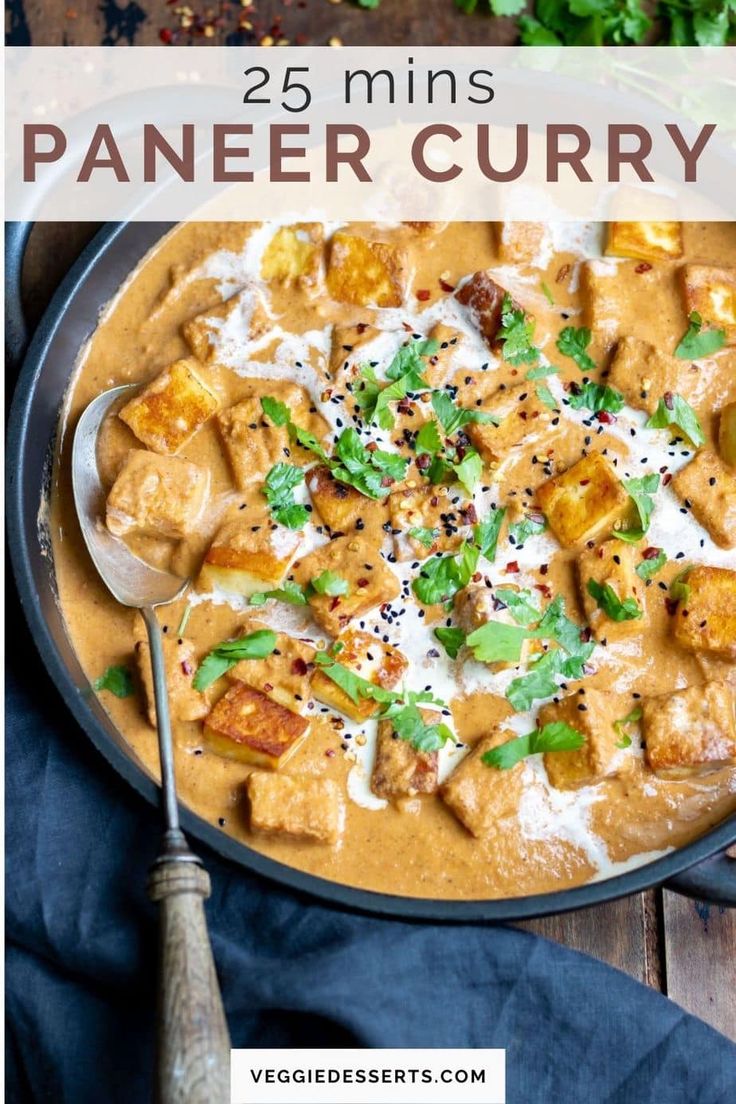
(683, 948)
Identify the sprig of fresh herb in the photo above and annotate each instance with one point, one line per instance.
(404, 374)
(497, 642)
(453, 417)
(651, 564)
(573, 341)
(451, 639)
(615, 608)
(624, 740)
(595, 397)
(441, 577)
(545, 396)
(117, 680)
(679, 588)
(529, 526)
(255, 645)
(331, 583)
(641, 491)
(289, 592)
(278, 489)
(486, 532)
(516, 334)
(520, 604)
(556, 736)
(423, 535)
(699, 341)
(674, 410)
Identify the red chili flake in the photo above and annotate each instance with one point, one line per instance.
(407, 328)
(606, 417)
(387, 481)
(544, 569)
(471, 515)
(299, 667)
(423, 295)
(187, 667)
(643, 267)
(666, 479)
(362, 327)
(446, 287)
(268, 687)
(334, 604)
(543, 589)
(476, 577)
(330, 753)
(404, 406)
(584, 482)
(362, 582)
(651, 553)
(585, 634)
(165, 35)
(669, 400)
(671, 606)
(563, 273)
(512, 567)
(371, 446)
(424, 461)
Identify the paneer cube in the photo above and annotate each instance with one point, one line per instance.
(185, 703)
(364, 272)
(252, 443)
(727, 434)
(430, 513)
(246, 314)
(483, 797)
(523, 417)
(249, 554)
(284, 675)
(308, 809)
(484, 299)
(346, 343)
(612, 564)
(708, 488)
(690, 732)
(593, 713)
(705, 621)
(522, 242)
(170, 410)
(399, 770)
(338, 504)
(158, 496)
(585, 499)
(645, 241)
(370, 581)
(250, 727)
(475, 605)
(294, 255)
(643, 374)
(712, 293)
(370, 659)
(439, 367)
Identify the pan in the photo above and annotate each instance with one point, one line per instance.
(700, 869)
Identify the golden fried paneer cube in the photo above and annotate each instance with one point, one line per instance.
(484, 299)
(643, 374)
(708, 487)
(482, 796)
(308, 809)
(523, 417)
(426, 520)
(690, 732)
(645, 241)
(252, 443)
(592, 713)
(247, 312)
(294, 255)
(158, 496)
(711, 292)
(370, 581)
(521, 242)
(612, 564)
(727, 434)
(365, 273)
(585, 499)
(346, 343)
(475, 605)
(170, 410)
(439, 366)
(370, 659)
(338, 504)
(705, 620)
(185, 703)
(250, 554)
(399, 769)
(284, 675)
(248, 726)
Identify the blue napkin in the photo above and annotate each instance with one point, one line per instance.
(80, 977)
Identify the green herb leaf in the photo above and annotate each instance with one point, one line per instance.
(353, 685)
(529, 526)
(441, 577)
(275, 411)
(545, 395)
(545, 287)
(330, 583)
(641, 491)
(486, 533)
(679, 589)
(497, 642)
(428, 439)
(674, 410)
(538, 683)
(542, 371)
(255, 645)
(595, 397)
(573, 342)
(117, 680)
(520, 605)
(630, 718)
(454, 417)
(469, 471)
(516, 334)
(614, 607)
(409, 724)
(649, 567)
(556, 736)
(698, 342)
(371, 473)
(278, 489)
(289, 592)
(308, 441)
(451, 639)
(423, 535)
(405, 376)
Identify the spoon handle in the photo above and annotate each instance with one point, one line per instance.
(193, 1044)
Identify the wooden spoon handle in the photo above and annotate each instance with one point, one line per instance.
(193, 1044)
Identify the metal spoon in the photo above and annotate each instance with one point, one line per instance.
(194, 1046)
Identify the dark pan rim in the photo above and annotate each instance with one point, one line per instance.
(333, 893)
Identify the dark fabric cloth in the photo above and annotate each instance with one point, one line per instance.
(81, 947)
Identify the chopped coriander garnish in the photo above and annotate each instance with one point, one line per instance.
(595, 397)
(516, 334)
(423, 535)
(409, 724)
(276, 411)
(538, 683)
(541, 371)
(117, 680)
(455, 417)
(181, 629)
(556, 736)
(617, 609)
(529, 526)
(641, 491)
(289, 592)
(520, 605)
(330, 583)
(486, 533)
(572, 342)
(674, 410)
(699, 342)
(624, 740)
(278, 489)
(468, 470)
(497, 642)
(428, 438)
(545, 396)
(441, 577)
(679, 589)
(650, 565)
(404, 374)
(451, 639)
(545, 287)
(255, 645)
(371, 473)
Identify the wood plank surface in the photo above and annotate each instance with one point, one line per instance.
(700, 960)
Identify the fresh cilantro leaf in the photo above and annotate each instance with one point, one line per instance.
(533, 33)
(497, 642)
(330, 583)
(441, 577)
(529, 526)
(545, 395)
(547, 295)
(308, 441)
(289, 592)
(117, 680)
(641, 491)
(469, 470)
(278, 489)
(624, 740)
(651, 565)
(409, 724)
(516, 334)
(542, 371)
(614, 607)
(679, 589)
(556, 625)
(556, 736)
(451, 639)
(408, 358)
(423, 535)
(595, 397)
(454, 417)
(538, 683)
(572, 342)
(405, 376)
(674, 410)
(255, 645)
(519, 604)
(371, 473)
(428, 438)
(353, 685)
(486, 533)
(370, 4)
(698, 342)
(275, 411)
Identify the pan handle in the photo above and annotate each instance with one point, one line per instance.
(713, 880)
(16, 330)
